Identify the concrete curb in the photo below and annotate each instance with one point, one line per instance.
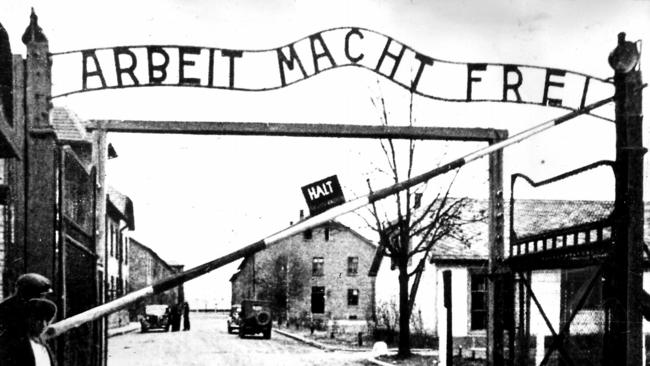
(306, 341)
(329, 348)
(316, 344)
(377, 362)
(132, 327)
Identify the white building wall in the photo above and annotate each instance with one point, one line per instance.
(459, 301)
(547, 288)
(429, 299)
(387, 290)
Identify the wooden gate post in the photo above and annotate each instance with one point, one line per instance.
(496, 301)
(624, 334)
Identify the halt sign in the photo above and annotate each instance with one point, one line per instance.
(323, 194)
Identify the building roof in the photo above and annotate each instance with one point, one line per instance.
(68, 126)
(234, 276)
(532, 216)
(329, 223)
(153, 254)
(122, 204)
(535, 216)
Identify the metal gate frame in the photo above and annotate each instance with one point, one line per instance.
(549, 250)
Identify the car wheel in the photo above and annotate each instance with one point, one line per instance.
(241, 332)
(143, 329)
(229, 330)
(263, 318)
(267, 334)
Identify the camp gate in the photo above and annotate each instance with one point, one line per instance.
(86, 236)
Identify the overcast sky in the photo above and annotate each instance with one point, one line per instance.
(197, 198)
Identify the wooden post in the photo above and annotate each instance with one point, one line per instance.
(496, 293)
(449, 339)
(100, 149)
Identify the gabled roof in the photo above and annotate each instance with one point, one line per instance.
(122, 204)
(68, 127)
(332, 223)
(153, 254)
(234, 276)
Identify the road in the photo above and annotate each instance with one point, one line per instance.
(208, 344)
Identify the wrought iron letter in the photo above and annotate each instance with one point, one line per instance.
(397, 58)
(182, 62)
(507, 69)
(471, 79)
(352, 31)
(282, 61)
(119, 70)
(231, 54)
(553, 102)
(424, 60)
(161, 68)
(90, 54)
(326, 52)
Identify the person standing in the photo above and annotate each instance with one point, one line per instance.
(12, 309)
(186, 316)
(20, 340)
(175, 317)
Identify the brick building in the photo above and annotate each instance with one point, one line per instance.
(146, 268)
(323, 272)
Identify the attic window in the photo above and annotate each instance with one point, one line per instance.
(327, 233)
(307, 234)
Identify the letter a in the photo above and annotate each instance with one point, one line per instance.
(90, 54)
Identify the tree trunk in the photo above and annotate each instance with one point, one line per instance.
(404, 347)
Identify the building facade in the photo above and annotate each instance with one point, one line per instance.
(319, 274)
(119, 221)
(146, 268)
(556, 289)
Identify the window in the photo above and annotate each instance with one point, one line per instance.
(317, 266)
(478, 299)
(112, 243)
(327, 233)
(353, 297)
(111, 288)
(307, 234)
(353, 266)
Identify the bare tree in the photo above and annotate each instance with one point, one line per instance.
(412, 224)
(286, 281)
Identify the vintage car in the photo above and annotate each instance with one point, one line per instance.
(233, 318)
(255, 317)
(155, 317)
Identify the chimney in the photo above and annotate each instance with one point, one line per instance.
(302, 214)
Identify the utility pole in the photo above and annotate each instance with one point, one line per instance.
(623, 345)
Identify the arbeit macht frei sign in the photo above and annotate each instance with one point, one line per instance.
(259, 70)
